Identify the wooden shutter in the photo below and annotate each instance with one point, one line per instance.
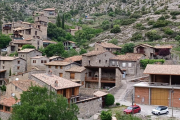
(72, 75)
(60, 74)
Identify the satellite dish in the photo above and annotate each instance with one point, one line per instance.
(13, 94)
(17, 79)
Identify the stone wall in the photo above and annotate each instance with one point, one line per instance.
(88, 108)
(5, 115)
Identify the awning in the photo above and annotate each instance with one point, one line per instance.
(2, 71)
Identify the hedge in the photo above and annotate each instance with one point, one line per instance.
(150, 61)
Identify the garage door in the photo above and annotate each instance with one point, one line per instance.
(159, 96)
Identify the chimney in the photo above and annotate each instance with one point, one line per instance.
(56, 83)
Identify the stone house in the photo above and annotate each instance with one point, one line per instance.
(76, 74)
(38, 62)
(60, 85)
(69, 45)
(159, 48)
(56, 58)
(10, 66)
(102, 46)
(58, 67)
(16, 88)
(163, 83)
(7, 28)
(76, 59)
(97, 58)
(27, 54)
(50, 12)
(72, 31)
(47, 42)
(146, 49)
(16, 45)
(129, 63)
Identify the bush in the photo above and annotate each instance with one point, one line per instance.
(161, 23)
(150, 61)
(151, 22)
(153, 35)
(136, 36)
(116, 29)
(127, 48)
(105, 115)
(139, 26)
(28, 46)
(120, 116)
(168, 31)
(112, 14)
(109, 99)
(128, 21)
(161, 18)
(177, 38)
(117, 104)
(136, 15)
(105, 25)
(174, 17)
(113, 41)
(173, 13)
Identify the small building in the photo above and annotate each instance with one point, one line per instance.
(69, 45)
(27, 54)
(102, 46)
(60, 85)
(163, 83)
(72, 31)
(56, 58)
(97, 58)
(146, 49)
(76, 59)
(49, 12)
(11, 66)
(162, 51)
(16, 88)
(47, 42)
(38, 62)
(59, 67)
(129, 63)
(76, 74)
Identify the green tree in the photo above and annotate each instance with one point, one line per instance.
(116, 29)
(28, 46)
(58, 21)
(82, 51)
(4, 40)
(3, 88)
(127, 48)
(105, 25)
(106, 115)
(54, 49)
(109, 99)
(63, 21)
(113, 41)
(40, 104)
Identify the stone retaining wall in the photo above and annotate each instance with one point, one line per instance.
(5, 115)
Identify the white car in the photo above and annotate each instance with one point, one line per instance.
(4, 50)
(160, 110)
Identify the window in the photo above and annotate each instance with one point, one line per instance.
(15, 87)
(7, 109)
(105, 55)
(1, 107)
(60, 74)
(3, 67)
(106, 61)
(61, 67)
(97, 48)
(72, 91)
(113, 63)
(123, 64)
(56, 67)
(18, 62)
(129, 64)
(35, 32)
(34, 61)
(0, 82)
(99, 61)
(72, 75)
(89, 74)
(89, 62)
(41, 61)
(3, 62)
(45, 61)
(18, 67)
(64, 92)
(49, 66)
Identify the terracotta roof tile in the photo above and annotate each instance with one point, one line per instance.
(26, 50)
(73, 59)
(58, 63)
(8, 101)
(162, 46)
(48, 41)
(8, 58)
(21, 41)
(53, 57)
(24, 84)
(92, 53)
(76, 69)
(128, 57)
(99, 94)
(108, 45)
(162, 69)
(49, 9)
(50, 80)
(38, 57)
(144, 45)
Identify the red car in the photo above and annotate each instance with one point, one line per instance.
(129, 110)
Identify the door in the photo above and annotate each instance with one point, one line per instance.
(159, 96)
(60, 74)
(124, 74)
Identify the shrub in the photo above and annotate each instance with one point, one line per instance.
(150, 61)
(136, 15)
(128, 21)
(153, 35)
(105, 25)
(161, 18)
(177, 37)
(112, 14)
(120, 116)
(116, 29)
(136, 36)
(174, 17)
(167, 16)
(175, 13)
(113, 41)
(106, 115)
(151, 22)
(127, 48)
(139, 26)
(117, 104)
(168, 31)
(109, 99)
(161, 23)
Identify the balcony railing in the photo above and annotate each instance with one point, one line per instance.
(96, 79)
(6, 28)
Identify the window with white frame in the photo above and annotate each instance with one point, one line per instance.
(123, 64)
(129, 64)
(113, 63)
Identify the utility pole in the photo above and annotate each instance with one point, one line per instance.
(172, 93)
(132, 105)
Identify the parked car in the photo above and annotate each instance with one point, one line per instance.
(160, 110)
(132, 109)
(4, 50)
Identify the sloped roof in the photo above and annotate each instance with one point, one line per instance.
(128, 57)
(73, 59)
(58, 63)
(53, 57)
(50, 80)
(48, 41)
(21, 41)
(49, 9)
(24, 84)
(92, 53)
(8, 58)
(162, 69)
(27, 50)
(76, 69)
(38, 57)
(144, 45)
(108, 45)
(99, 94)
(163, 46)
(8, 101)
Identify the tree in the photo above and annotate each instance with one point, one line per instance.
(3, 88)
(106, 115)
(4, 40)
(82, 51)
(63, 21)
(116, 29)
(127, 48)
(164, 52)
(105, 25)
(28, 46)
(58, 21)
(109, 99)
(113, 41)
(54, 49)
(40, 104)
(10, 72)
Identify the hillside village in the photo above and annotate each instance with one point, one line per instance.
(132, 58)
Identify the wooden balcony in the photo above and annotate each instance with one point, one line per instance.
(103, 80)
(6, 28)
